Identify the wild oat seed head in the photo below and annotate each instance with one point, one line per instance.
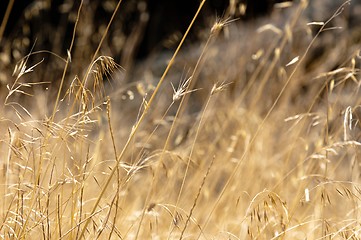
(182, 89)
(220, 24)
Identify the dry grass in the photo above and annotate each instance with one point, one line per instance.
(259, 138)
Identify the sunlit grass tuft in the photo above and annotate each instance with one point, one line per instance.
(259, 141)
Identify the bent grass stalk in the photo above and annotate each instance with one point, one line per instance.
(217, 27)
(46, 138)
(181, 93)
(196, 195)
(136, 126)
(214, 90)
(149, 194)
(324, 86)
(302, 7)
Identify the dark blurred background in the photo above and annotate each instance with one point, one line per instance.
(157, 22)
(140, 28)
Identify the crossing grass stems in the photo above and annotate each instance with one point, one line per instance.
(271, 153)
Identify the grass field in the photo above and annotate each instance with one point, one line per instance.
(251, 133)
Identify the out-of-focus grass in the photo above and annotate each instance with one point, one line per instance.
(252, 134)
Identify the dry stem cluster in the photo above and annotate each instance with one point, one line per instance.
(258, 138)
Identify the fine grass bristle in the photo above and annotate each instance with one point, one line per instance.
(260, 139)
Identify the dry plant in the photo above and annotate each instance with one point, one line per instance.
(260, 140)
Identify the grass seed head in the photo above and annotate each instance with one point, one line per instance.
(220, 24)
